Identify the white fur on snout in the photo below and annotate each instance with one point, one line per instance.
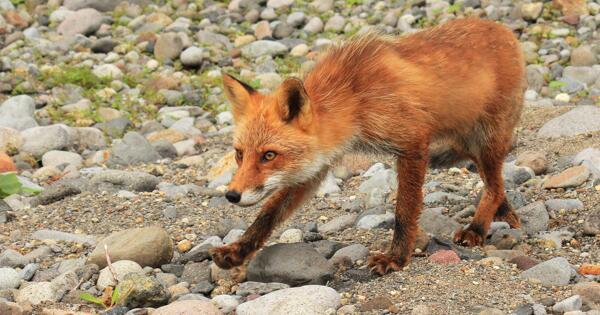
(252, 197)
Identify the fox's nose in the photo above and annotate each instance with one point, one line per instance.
(233, 196)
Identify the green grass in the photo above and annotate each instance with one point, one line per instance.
(81, 76)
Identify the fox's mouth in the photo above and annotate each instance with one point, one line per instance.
(252, 197)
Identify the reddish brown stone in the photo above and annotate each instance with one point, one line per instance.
(524, 262)
(6, 163)
(444, 257)
(12, 17)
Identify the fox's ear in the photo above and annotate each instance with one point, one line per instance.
(293, 103)
(238, 93)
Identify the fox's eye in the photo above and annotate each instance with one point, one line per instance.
(269, 156)
(239, 155)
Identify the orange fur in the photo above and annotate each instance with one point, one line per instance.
(452, 88)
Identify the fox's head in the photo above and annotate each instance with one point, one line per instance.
(273, 139)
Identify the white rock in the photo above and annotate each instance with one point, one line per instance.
(108, 71)
(56, 158)
(121, 268)
(291, 236)
(309, 299)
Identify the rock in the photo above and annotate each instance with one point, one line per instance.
(226, 303)
(39, 140)
(376, 221)
(556, 271)
(591, 226)
(291, 236)
(444, 257)
(150, 246)
(38, 292)
(524, 262)
(571, 7)
(296, 19)
(84, 21)
(355, 252)
(192, 56)
(327, 248)
(6, 163)
(104, 5)
(385, 180)
(10, 139)
(293, 264)
(335, 23)
(262, 29)
(109, 72)
(259, 288)
(56, 158)
(516, 174)
(586, 75)
(204, 287)
(59, 190)
(17, 113)
(142, 291)
(28, 271)
(571, 177)
(581, 119)
(589, 293)
(9, 279)
(278, 4)
(531, 11)
(566, 204)
(262, 48)
(308, 299)
(62, 236)
(338, 224)
(314, 25)
(132, 150)
(583, 56)
(121, 268)
(534, 217)
(328, 186)
(535, 160)
(118, 180)
(570, 304)
(103, 45)
(233, 236)
(165, 149)
(188, 307)
(10, 307)
(168, 46)
(434, 222)
(114, 128)
(194, 273)
(589, 157)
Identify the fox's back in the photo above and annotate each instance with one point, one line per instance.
(445, 78)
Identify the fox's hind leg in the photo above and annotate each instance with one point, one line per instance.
(489, 162)
(411, 176)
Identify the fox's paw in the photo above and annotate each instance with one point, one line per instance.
(469, 237)
(384, 263)
(511, 218)
(227, 257)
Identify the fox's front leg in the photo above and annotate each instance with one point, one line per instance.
(277, 209)
(411, 176)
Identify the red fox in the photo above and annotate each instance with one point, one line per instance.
(437, 96)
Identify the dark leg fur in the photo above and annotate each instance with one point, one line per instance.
(411, 175)
(276, 210)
